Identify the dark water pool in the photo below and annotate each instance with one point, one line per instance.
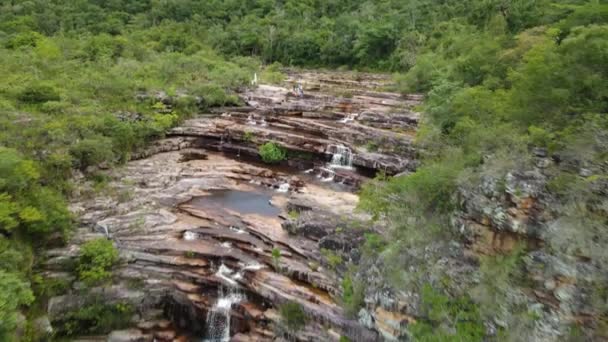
(244, 202)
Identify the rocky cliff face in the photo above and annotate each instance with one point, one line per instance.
(194, 266)
(559, 278)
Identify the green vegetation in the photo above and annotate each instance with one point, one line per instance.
(96, 318)
(14, 293)
(272, 74)
(334, 260)
(272, 152)
(293, 316)
(96, 260)
(248, 136)
(374, 244)
(86, 83)
(293, 214)
(276, 257)
(441, 311)
(353, 294)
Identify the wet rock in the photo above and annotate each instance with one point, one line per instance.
(130, 335)
(313, 225)
(42, 326)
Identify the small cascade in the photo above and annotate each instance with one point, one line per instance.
(342, 157)
(328, 178)
(218, 318)
(254, 266)
(105, 230)
(349, 118)
(283, 187)
(237, 230)
(251, 121)
(226, 273)
(189, 236)
(263, 123)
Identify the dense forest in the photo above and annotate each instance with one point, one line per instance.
(504, 81)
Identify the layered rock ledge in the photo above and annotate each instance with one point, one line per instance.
(183, 256)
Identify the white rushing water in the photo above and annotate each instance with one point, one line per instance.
(218, 318)
(349, 118)
(189, 236)
(342, 157)
(226, 273)
(283, 187)
(251, 121)
(237, 230)
(105, 230)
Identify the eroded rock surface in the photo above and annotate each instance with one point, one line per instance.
(181, 260)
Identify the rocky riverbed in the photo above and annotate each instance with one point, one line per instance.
(212, 241)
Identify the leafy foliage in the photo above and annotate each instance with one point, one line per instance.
(96, 260)
(461, 315)
(96, 318)
(14, 292)
(79, 80)
(272, 152)
(293, 316)
(352, 296)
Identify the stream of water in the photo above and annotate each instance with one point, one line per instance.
(218, 318)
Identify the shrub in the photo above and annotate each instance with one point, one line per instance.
(333, 259)
(373, 243)
(248, 137)
(276, 256)
(38, 93)
(271, 152)
(91, 152)
(54, 107)
(24, 39)
(96, 259)
(293, 214)
(14, 293)
(352, 296)
(272, 74)
(96, 318)
(292, 316)
(448, 319)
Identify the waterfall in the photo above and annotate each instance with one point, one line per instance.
(218, 318)
(251, 120)
(283, 187)
(342, 157)
(106, 231)
(349, 118)
(189, 236)
(263, 123)
(225, 273)
(237, 230)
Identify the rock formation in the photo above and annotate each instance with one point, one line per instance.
(193, 269)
